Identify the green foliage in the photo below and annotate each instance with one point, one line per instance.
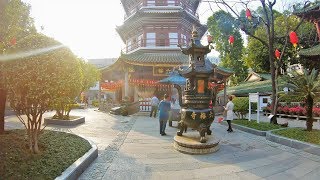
(289, 98)
(306, 86)
(95, 103)
(300, 135)
(59, 151)
(15, 22)
(241, 106)
(49, 74)
(262, 126)
(91, 75)
(221, 25)
(256, 54)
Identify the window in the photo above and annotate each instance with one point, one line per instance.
(140, 40)
(129, 45)
(265, 100)
(200, 86)
(151, 3)
(183, 40)
(173, 39)
(162, 40)
(151, 40)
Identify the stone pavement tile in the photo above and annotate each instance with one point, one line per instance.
(239, 167)
(276, 167)
(95, 171)
(172, 175)
(281, 176)
(303, 168)
(179, 166)
(313, 175)
(125, 175)
(150, 161)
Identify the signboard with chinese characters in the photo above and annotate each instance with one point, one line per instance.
(161, 71)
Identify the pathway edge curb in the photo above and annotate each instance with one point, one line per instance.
(304, 146)
(80, 165)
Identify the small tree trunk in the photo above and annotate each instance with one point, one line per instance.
(3, 98)
(35, 140)
(309, 122)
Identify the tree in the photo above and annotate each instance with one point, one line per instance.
(90, 75)
(38, 79)
(256, 54)
(15, 24)
(222, 25)
(248, 23)
(307, 86)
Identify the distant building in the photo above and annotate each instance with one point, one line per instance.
(102, 63)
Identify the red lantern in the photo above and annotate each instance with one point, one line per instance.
(294, 38)
(231, 40)
(13, 41)
(248, 14)
(277, 54)
(209, 38)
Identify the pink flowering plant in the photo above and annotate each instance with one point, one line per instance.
(297, 110)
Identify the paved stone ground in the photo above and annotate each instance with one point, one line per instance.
(132, 148)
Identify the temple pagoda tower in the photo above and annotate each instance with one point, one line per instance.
(311, 12)
(151, 31)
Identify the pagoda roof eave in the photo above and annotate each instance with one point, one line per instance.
(307, 10)
(135, 20)
(313, 51)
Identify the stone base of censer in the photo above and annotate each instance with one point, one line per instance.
(189, 143)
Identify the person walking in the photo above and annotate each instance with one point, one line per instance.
(164, 108)
(154, 106)
(229, 108)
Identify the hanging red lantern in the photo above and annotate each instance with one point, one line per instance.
(231, 40)
(13, 41)
(248, 14)
(209, 38)
(277, 54)
(294, 38)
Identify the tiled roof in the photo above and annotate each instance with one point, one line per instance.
(226, 70)
(250, 87)
(155, 58)
(309, 7)
(313, 51)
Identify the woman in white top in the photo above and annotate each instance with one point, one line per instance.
(229, 108)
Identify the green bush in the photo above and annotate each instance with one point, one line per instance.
(95, 103)
(241, 106)
(289, 98)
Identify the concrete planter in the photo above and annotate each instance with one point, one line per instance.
(79, 166)
(304, 146)
(72, 122)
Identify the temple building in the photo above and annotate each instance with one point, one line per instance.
(151, 31)
(311, 12)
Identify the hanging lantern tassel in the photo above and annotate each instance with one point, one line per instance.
(248, 14)
(294, 39)
(277, 54)
(231, 40)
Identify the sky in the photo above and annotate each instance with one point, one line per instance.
(88, 26)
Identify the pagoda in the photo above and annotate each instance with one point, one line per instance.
(311, 12)
(151, 31)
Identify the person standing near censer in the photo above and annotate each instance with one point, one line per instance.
(229, 108)
(154, 106)
(164, 108)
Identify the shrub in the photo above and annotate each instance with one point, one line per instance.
(95, 103)
(241, 106)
